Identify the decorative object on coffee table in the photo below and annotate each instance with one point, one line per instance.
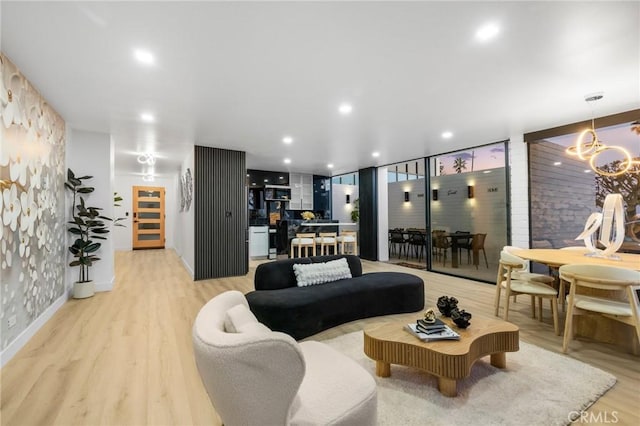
(461, 318)
(430, 316)
(446, 304)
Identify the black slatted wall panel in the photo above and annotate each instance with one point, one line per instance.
(368, 194)
(220, 213)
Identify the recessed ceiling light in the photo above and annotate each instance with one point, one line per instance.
(447, 135)
(345, 109)
(487, 32)
(287, 139)
(287, 161)
(330, 166)
(557, 163)
(375, 154)
(587, 171)
(280, 177)
(147, 118)
(144, 56)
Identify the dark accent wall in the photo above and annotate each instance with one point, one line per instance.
(220, 213)
(368, 194)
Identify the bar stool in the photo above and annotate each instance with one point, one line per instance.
(303, 240)
(327, 239)
(350, 238)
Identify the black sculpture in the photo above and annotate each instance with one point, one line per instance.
(446, 305)
(461, 318)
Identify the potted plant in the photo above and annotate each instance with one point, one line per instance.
(86, 225)
(355, 213)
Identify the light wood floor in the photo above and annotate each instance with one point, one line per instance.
(125, 357)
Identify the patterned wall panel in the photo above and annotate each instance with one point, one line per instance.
(220, 202)
(32, 223)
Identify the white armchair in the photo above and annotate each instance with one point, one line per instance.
(258, 377)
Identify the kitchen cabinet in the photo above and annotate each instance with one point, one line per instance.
(301, 191)
(258, 241)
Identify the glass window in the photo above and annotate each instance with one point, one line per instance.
(468, 211)
(565, 190)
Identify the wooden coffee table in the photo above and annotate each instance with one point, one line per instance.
(449, 360)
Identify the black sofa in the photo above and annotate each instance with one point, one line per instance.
(300, 312)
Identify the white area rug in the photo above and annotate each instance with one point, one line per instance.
(538, 387)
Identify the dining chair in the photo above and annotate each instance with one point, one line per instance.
(350, 240)
(303, 240)
(397, 243)
(326, 240)
(612, 295)
(477, 244)
(417, 242)
(441, 245)
(525, 274)
(536, 289)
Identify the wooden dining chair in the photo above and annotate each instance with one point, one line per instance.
(477, 244)
(441, 244)
(612, 295)
(537, 290)
(303, 240)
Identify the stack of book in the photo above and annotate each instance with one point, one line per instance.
(427, 332)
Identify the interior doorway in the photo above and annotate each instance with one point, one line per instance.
(148, 217)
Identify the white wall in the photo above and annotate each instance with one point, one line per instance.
(519, 180)
(185, 223)
(340, 210)
(124, 187)
(383, 216)
(409, 214)
(90, 153)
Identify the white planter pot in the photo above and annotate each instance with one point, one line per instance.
(83, 290)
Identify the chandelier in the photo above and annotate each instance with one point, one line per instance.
(588, 147)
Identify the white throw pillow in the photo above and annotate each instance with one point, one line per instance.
(319, 273)
(237, 317)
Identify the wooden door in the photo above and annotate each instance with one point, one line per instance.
(148, 217)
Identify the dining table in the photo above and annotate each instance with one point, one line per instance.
(456, 238)
(596, 327)
(555, 258)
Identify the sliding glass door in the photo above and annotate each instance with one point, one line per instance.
(468, 211)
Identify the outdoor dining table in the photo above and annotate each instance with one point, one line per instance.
(455, 238)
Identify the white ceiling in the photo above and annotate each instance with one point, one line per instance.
(241, 75)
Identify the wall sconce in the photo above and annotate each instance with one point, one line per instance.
(348, 199)
(406, 196)
(470, 192)
(434, 194)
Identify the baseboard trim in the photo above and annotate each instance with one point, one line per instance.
(187, 267)
(22, 339)
(105, 286)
